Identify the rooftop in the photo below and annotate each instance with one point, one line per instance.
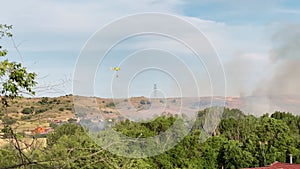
(279, 165)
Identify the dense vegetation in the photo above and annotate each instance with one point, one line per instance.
(239, 141)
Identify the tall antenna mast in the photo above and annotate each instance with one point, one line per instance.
(155, 90)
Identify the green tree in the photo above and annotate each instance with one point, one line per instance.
(15, 81)
(210, 152)
(234, 156)
(275, 140)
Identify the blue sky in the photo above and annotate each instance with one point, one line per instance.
(244, 12)
(51, 34)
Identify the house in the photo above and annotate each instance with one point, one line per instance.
(38, 130)
(56, 121)
(279, 165)
(41, 130)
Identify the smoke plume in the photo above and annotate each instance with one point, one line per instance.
(282, 88)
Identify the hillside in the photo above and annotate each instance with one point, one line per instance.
(31, 113)
(239, 140)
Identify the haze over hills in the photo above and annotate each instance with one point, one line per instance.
(62, 108)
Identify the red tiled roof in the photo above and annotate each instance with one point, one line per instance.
(278, 165)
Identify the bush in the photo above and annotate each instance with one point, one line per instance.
(8, 120)
(72, 120)
(27, 110)
(107, 112)
(44, 100)
(145, 102)
(53, 125)
(68, 129)
(41, 110)
(142, 102)
(69, 108)
(111, 104)
(26, 117)
(61, 109)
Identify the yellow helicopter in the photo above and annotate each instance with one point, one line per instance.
(115, 69)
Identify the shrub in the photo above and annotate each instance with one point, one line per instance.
(72, 120)
(26, 117)
(69, 108)
(41, 110)
(111, 104)
(8, 120)
(142, 102)
(44, 100)
(53, 125)
(107, 112)
(27, 110)
(61, 109)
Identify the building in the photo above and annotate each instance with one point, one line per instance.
(41, 130)
(279, 165)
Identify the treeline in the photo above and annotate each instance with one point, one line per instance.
(239, 141)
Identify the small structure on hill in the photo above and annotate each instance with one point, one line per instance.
(41, 130)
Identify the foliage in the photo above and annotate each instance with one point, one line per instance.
(8, 156)
(71, 120)
(53, 125)
(26, 117)
(44, 101)
(142, 102)
(69, 108)
(247, 142)
(8, 120)
(111, 104)
(27, 110)
(15, 78)
(41, 110)
(15, 81)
